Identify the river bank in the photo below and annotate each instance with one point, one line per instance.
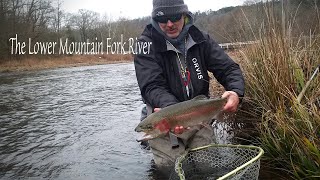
(32, 63)
(39, 63)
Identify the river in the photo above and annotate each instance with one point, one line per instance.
(72, 123)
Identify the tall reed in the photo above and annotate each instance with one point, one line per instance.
(276, 69)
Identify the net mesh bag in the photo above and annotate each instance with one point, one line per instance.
(219, 162)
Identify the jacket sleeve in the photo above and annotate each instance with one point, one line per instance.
(224, 69)
(152, 83)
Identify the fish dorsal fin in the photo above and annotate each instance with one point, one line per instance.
(200, 97)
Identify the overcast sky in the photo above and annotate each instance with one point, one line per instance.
(139, 8)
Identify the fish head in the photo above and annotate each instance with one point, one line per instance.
(144, 127)
(154, 130)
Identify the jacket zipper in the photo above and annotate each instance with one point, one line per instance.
(184, 73)
(185, 62)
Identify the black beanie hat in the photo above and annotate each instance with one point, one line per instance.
(168, 7)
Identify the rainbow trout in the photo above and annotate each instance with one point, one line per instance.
(199, 110)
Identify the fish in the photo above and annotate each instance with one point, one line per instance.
(199, 110)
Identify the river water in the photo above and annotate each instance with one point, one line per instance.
(72, 123)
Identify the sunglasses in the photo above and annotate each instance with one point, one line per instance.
(165, 19)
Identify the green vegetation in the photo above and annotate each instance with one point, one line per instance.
(276, 69)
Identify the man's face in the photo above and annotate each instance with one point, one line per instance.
(172, 28)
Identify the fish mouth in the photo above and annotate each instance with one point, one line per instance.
(150, 134)
(137, 129)
(146, 134)
(145, 137)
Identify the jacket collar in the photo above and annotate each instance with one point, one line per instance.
(190, 42)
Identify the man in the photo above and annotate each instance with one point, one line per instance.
(175, 70)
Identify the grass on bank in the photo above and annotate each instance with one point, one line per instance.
(47, 62)
(276, 69)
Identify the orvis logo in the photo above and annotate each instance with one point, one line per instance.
(197, 67)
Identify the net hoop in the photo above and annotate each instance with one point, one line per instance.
(180, 172)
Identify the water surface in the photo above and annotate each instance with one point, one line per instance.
(71, 123)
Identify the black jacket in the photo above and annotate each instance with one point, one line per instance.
(158, 73)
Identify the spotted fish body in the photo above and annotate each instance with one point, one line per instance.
(189, 113)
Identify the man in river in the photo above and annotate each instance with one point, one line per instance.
(176, 70)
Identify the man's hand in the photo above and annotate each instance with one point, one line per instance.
(232, 101)
(156, 109)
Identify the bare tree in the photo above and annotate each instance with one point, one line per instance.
(57, 17)
(85, 21)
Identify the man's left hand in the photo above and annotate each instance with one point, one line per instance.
(232, 101)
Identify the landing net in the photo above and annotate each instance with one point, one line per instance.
(217, 161)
